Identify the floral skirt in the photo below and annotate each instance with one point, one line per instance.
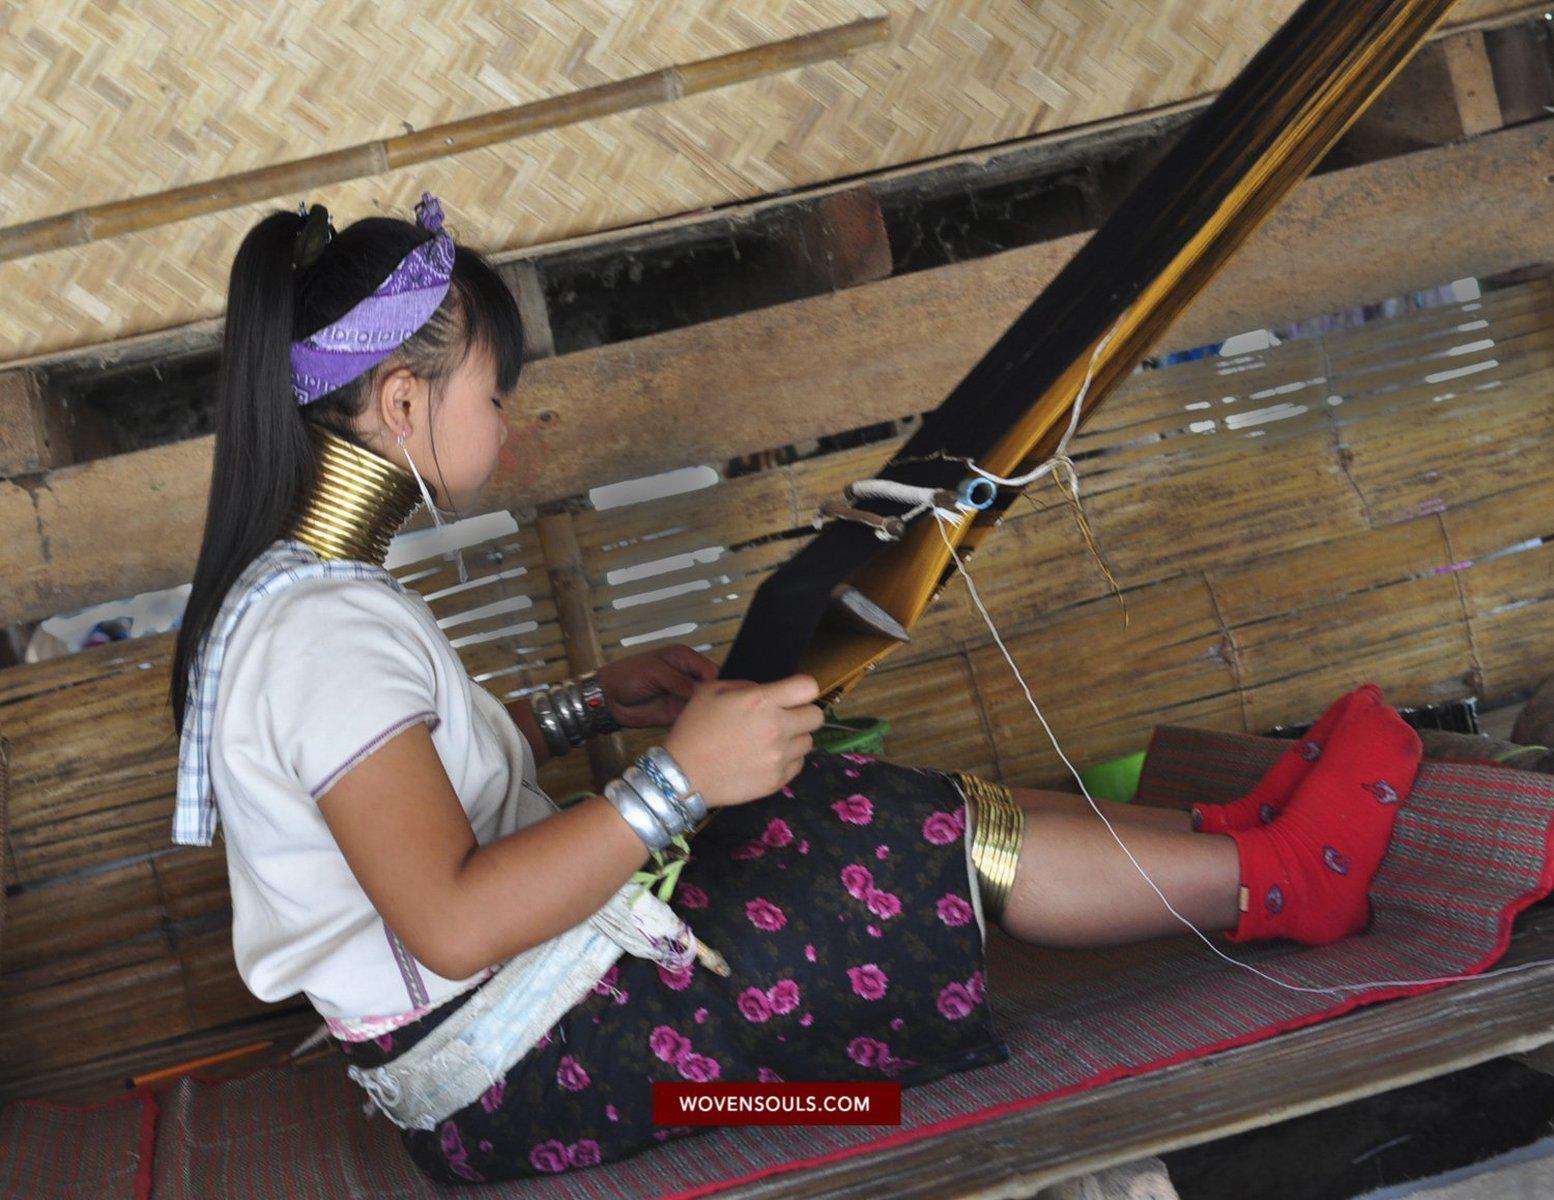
(844, 906)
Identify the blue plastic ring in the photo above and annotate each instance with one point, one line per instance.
(976, 492)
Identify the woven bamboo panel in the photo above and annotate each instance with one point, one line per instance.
(111, 104)
(1274, 549)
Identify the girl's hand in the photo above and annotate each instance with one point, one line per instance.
(651, 689)
(738, 741)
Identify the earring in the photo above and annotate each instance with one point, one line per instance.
(436, 516)
(421, 483)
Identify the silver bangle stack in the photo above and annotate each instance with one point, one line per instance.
(571, 712)
(656, 798)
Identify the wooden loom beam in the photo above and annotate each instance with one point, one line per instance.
(1111, 303)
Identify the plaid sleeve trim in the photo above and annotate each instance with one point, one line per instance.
(284, 562)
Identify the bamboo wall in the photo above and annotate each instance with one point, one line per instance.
(114, 106)
(1365, 504)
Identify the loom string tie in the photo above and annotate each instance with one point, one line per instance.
(946, 505)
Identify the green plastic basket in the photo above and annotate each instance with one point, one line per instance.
(853, 735)
(1116, 779)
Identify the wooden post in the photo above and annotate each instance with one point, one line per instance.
(840, 241)
(29, 441)
(523, 278)
(1472, 83)
(574, 613)
(1524, 79)
(1446, 93)
(41, 430)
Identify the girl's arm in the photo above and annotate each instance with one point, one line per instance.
(460, 907)
(522, 713)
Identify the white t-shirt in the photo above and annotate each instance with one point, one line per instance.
(316, 677)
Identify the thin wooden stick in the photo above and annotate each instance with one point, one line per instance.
(99, 221)
(136, 1081)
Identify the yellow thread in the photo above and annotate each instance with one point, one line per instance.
(1072, 496)
(1084, 528)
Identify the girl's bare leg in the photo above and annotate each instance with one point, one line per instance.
(1075, 887)
(1038, 800)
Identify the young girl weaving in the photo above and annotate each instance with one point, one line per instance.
(502, 988)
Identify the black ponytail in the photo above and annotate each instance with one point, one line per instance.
(264, 461)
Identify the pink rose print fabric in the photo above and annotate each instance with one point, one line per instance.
(842, 903)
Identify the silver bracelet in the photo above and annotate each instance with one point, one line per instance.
(568, 699)
(665, 807)
(550, 725)
(572, 711)
(664, 771)
(638, 815)
(601, 719)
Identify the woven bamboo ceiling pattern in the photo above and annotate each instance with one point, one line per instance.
(106, 102)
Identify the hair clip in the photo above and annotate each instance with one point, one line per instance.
(316, 233)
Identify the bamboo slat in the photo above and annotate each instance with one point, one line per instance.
(1131, 679)
(1406, 464)
(1501, 561)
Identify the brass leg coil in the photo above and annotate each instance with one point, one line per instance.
(998, 828)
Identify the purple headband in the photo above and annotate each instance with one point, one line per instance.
(371, 331)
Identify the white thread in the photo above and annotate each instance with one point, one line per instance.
(319, 1035)
(1061, 454)
(1336, 988)
(922, 499)
(890, 489)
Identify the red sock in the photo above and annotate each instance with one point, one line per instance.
(1306, 876)
(1272, 792)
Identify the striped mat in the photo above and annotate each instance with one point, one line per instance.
(59, 1152)
(1470, 851)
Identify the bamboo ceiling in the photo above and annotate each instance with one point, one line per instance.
(106, 105)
